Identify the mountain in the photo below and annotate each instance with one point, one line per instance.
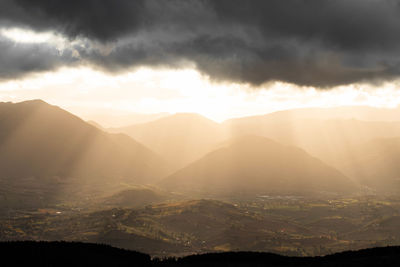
(40, 142)
(258, 165)
(338, 137)
(376, 164)
(180, 138)
(331, 140)
(326, 133)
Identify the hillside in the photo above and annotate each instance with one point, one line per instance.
(44, 145)
(180, 138)
(258, 165)
(136, 197)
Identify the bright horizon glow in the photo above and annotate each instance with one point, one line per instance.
(85, 91)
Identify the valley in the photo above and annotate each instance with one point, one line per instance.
(287, 225)
(248, 189)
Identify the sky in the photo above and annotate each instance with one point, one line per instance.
(221, 59)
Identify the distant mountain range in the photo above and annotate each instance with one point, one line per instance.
(302, 150)
(333, 135)
(180, 138)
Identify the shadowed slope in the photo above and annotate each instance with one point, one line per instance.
(40, 140)
(376, 164)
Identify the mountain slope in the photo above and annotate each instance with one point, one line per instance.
(258, 165)
(376, 164)
(180, 138)
(41, 141)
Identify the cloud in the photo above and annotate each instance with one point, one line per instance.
(320, 43)
(20, 59)
(101, 20)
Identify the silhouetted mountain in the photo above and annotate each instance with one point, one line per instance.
(42, 144)
(80, 254)
(257, 164)
(180, 138)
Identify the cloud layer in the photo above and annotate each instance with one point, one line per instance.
(322, 43)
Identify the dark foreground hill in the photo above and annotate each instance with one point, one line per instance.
(31, 253)
(81, 254)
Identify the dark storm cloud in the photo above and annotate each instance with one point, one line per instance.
(20, 59)
(321, 43)
(99, 19)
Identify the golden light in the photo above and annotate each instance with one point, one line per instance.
(147, 90)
